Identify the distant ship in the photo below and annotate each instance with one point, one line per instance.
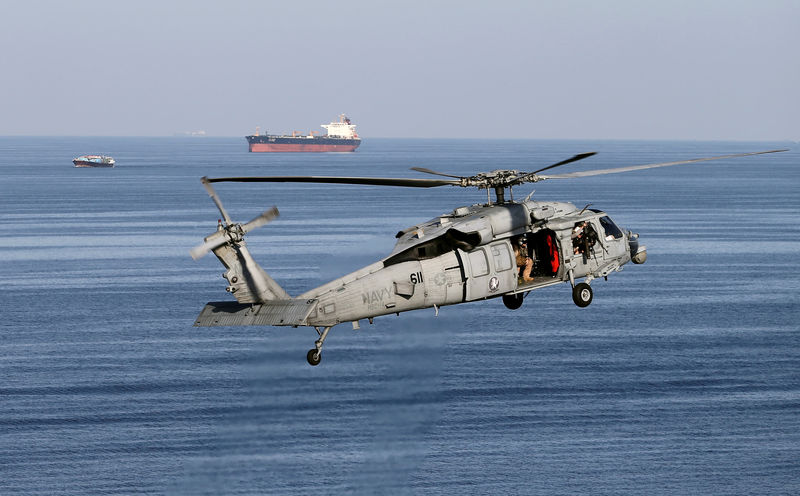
(93, 161)
(341, 137)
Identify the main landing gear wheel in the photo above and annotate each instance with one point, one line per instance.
(582, 294)
(314, 356)
(512, 301)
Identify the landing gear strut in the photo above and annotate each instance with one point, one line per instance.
(314, 355)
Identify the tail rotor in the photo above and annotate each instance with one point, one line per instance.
(229, 232)
(248, 282)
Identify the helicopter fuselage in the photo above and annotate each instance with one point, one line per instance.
(469, 255)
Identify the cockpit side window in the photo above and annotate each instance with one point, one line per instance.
(611, 229)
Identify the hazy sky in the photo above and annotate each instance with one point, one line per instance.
(638, 69)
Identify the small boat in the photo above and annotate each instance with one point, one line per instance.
(93, 161)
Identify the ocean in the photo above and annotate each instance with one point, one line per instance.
(681, 377)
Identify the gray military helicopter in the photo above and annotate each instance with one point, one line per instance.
(503, 248)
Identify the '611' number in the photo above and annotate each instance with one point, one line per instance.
(416, 278)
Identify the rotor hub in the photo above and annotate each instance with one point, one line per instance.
(501, 178)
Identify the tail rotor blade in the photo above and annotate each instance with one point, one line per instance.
(200, 251)
(261, 219)
(213, 195)
(213, 241)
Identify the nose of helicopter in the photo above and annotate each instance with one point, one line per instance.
(638, 252)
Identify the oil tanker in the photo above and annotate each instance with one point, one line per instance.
(340, 137)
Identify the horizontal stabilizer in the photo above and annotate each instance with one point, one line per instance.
(269, 313)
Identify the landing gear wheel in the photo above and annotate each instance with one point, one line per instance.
(512, 301)
(314, 356)
(582, 294)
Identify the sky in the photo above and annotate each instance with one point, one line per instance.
(560, 69)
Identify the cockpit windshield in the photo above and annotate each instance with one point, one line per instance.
(612, 231)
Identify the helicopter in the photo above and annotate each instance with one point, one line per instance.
(499, 249)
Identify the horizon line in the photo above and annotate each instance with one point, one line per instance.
(201, 137)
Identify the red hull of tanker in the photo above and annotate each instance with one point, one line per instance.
(300, 147)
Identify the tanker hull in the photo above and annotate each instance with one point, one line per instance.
(304, 146)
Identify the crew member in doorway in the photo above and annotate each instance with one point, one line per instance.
(524, 262)
(584, 238)
(577, 237)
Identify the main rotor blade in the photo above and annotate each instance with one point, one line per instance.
(428, 171)
(650, 166)
(261, 219)
(213, 194)
(575, 158)
(376, 181)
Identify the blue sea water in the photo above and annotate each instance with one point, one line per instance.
(682, 376)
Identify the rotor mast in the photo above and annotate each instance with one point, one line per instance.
(500, 194)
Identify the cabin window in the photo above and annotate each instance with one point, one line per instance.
(447, 242)
(502, 258)
(611, 229)
(479, 263)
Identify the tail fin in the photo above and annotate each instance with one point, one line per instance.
(247, 281)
